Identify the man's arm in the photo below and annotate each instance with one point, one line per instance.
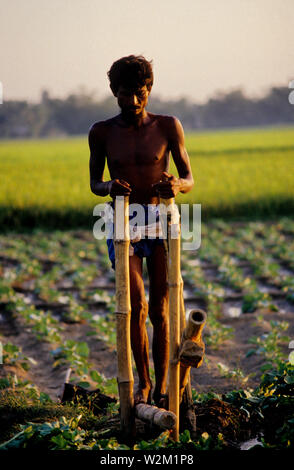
(180, 156)
(99, 187)
(170, 186)
(97, 160)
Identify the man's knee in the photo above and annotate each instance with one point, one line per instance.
(158, 312)
(139, 311)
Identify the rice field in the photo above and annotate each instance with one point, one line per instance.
(238, 173)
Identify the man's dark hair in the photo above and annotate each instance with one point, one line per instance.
(130, 72)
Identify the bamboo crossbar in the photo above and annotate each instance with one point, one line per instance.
(153, 415)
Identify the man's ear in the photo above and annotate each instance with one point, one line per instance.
(149, 88)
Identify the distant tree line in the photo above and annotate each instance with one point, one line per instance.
(75, 114)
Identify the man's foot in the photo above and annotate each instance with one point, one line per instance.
(143, 395)
(160, 400)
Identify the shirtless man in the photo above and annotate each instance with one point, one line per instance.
(137, 145)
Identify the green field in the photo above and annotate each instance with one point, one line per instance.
(238, 173)
(57, 296)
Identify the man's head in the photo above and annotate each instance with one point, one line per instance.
(131, 80)
(130, 72)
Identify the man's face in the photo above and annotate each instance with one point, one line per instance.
(132, 101)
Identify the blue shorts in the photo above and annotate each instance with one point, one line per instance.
(142, 248)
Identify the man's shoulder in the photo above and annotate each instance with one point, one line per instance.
(101, 127)
(164, 118)
(168, 123)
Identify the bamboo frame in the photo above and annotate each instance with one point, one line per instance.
(174, 282)
(125, 377)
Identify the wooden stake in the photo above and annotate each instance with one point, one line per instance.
(123, 316)
(173, 262)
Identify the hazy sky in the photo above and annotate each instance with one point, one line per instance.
(197, 46)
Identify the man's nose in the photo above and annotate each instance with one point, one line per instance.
(134, 100)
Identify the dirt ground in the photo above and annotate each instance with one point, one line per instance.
(232, 353)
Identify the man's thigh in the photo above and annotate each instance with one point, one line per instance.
(136, 281)
(157, 271)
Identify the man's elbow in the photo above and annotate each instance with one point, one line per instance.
(189, 185)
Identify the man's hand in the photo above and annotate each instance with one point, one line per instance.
(168, 187)
(119, 187)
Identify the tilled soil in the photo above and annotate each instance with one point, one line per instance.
(209, 377)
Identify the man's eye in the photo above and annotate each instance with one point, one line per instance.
(139, 94)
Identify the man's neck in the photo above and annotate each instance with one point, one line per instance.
(136, 120)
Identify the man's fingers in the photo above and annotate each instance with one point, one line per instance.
(166, 192)
(120, 193)
(120, 190)
(162, 185)
(121, 186)
(124, 183)
(166, 176)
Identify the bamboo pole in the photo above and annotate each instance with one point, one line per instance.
(192, 347)
(185, 379)
(173, 270)
(125, 377)
(153, 415)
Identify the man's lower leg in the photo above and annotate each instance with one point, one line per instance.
(160, 351)
(140, 348)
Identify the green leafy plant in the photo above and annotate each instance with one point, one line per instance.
(287, 284)
(64, 434)
(108, 386)
(204, 442)
(278, 381)
(218, 333)
(75, 354)
(105, 327)
(7, 293)
(75, 313)
(13, 355)
(24, 387)
(254, 300)
(268, 344)
(43, 324)
(236, 373)
(270, 406)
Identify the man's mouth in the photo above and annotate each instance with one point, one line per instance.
(131, 110)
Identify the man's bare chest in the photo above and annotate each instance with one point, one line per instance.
(136, 147)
